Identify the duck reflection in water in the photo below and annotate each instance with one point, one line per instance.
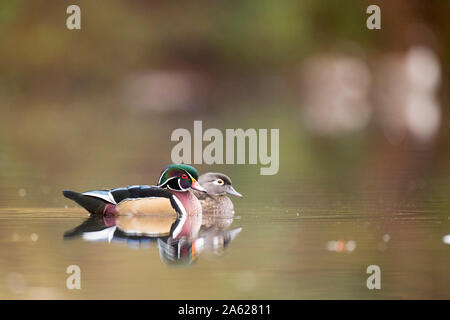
(179, 241)
(217, 209)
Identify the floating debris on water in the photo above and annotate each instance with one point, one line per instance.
(386, 238)
(34, 237)
(22, 192)
(341, 246)
(350, 246)
(446, 239)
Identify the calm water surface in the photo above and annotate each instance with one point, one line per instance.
(306, 244)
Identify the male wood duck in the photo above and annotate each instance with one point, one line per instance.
(172, 196)
(215, 201)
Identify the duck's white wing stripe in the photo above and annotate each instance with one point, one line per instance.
(182, 218)
(102, 235)
(102, 194)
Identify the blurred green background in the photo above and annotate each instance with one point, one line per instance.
(104, 99)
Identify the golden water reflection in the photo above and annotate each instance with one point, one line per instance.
(207, 235)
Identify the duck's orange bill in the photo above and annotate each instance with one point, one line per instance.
(197, 186)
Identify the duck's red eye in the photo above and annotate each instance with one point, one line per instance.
(184, 176)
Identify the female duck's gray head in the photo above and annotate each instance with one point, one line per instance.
(217, 184)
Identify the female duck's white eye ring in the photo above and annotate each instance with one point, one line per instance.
(219, 182)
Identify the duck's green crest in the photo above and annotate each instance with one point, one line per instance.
(175, 170)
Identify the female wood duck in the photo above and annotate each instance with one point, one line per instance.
(215, 201)
(172, 196)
